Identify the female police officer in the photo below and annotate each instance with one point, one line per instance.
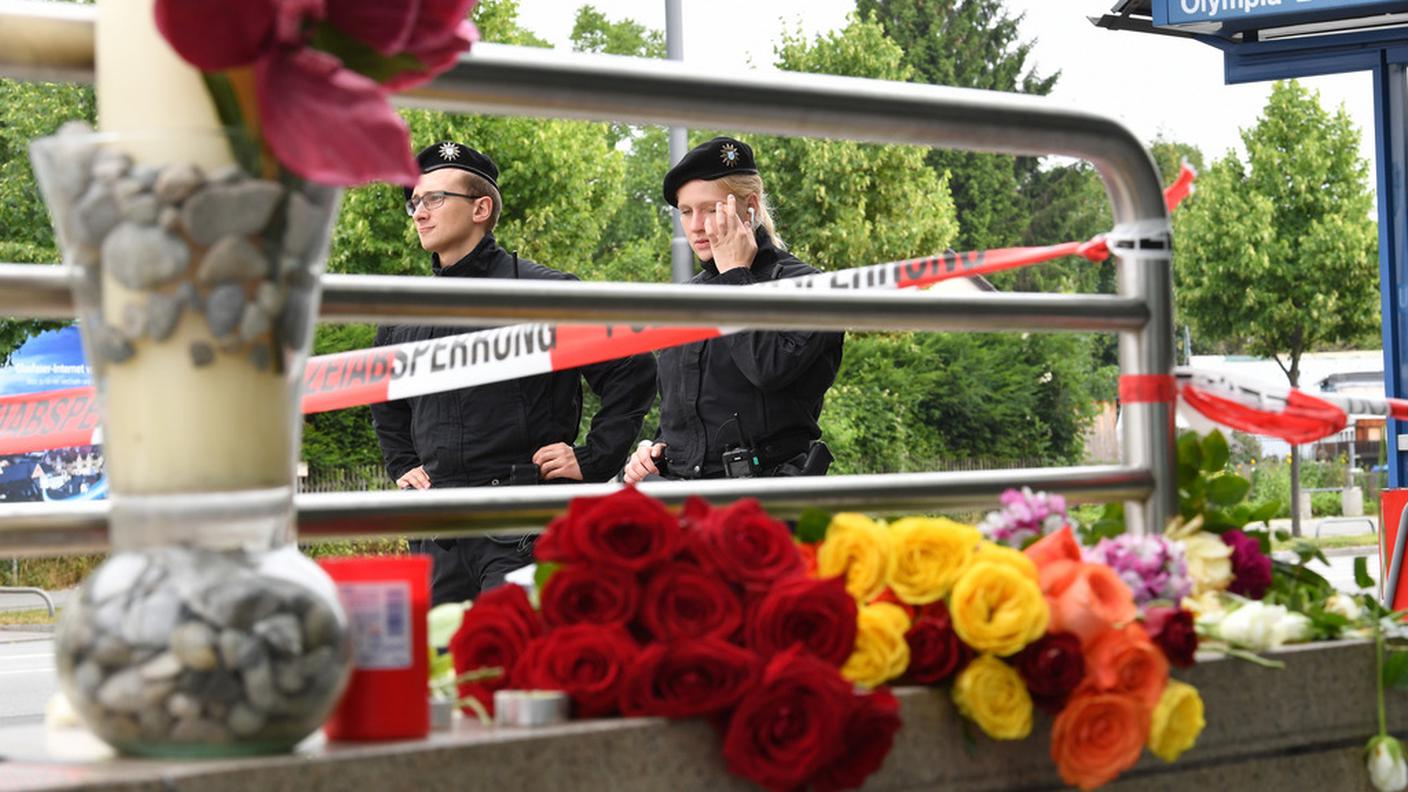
(748, 403)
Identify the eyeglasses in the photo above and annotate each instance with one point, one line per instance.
(433, 200)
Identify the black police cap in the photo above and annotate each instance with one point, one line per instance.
(449, 154)
(720, 157)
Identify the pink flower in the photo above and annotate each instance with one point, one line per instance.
(1025, 517)
(304, 90)
(1251, 568)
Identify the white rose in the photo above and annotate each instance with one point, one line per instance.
(1252, 626)
(1387, 771)
(1344, 605)
(1293, 628)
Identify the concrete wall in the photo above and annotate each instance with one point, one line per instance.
(1301, 728)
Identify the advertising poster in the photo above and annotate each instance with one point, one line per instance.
(51, 360)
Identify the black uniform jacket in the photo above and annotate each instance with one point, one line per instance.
(472, 436)
(775, 381)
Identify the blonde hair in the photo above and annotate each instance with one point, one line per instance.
(745, 186)
(478, 185)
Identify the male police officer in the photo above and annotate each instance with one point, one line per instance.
(745, 404)
(515, 432)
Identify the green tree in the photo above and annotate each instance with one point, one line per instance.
(594, 32)
(969, 44)
(29, 111)
(844, 204)
(1278, 255)
(633, 243)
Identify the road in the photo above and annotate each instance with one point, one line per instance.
(27, 678)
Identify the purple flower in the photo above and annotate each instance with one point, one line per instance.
(1153, 567)
(1025, 517)
(1251, 568)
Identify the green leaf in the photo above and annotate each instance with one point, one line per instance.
(1218, 521)
(1362, 579)
(543, 574)
(1265, 511)
(1215, 453)
(1189, 452)
(1396, 669)
(1227, 489)
(811, 526)
(360, 57)
(1187, 474)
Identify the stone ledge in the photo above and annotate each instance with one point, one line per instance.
(1299, 728)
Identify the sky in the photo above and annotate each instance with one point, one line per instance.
(1157, 85)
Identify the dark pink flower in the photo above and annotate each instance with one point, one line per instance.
(1251, 568)
(304, 92)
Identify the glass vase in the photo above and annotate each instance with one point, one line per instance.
(196, 281)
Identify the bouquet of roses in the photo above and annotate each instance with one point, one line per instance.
(1045, 627)
(710, 614)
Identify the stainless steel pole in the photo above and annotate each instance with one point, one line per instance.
(681, 257)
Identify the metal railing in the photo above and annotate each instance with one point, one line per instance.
(506, 80)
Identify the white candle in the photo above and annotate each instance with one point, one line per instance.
(170, 426)
(146, 89)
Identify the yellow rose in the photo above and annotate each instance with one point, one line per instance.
(992, 694)
(1177, 721)
(997, 608)
(859, 549)
(929, 555)
(1209, 561)
(991, 551)
(881, 652)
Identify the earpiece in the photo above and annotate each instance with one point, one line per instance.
(752, 221)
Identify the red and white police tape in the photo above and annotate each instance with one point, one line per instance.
(1277, 410)
(58, 419)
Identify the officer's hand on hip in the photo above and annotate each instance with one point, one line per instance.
(414, 478)
(642, 462)
(730, 237)
(558, 461)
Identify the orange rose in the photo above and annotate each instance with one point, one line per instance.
(808, 552)
(1097, 737)
(1086, 599)
(1126, 661)
(1055, 546)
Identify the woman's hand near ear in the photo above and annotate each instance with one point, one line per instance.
(730, 237)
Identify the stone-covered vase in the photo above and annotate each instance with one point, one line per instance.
(196, 283)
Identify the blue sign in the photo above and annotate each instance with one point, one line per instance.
(1231, 16)
(52, 360)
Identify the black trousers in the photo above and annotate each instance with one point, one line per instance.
(472, 566)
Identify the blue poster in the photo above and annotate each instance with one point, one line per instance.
(52, 360)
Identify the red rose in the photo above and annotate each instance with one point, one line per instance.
(577, 594)
(1171, 629)
(684, 601)
(586, 661)
(687, 678)
(494, 633)
(818, 615)
(1052, 667)
(746, 546)
(868, 738)
(694, 511)
(1251, 568)
(790, 726)
(935, 650)
(624, 530)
